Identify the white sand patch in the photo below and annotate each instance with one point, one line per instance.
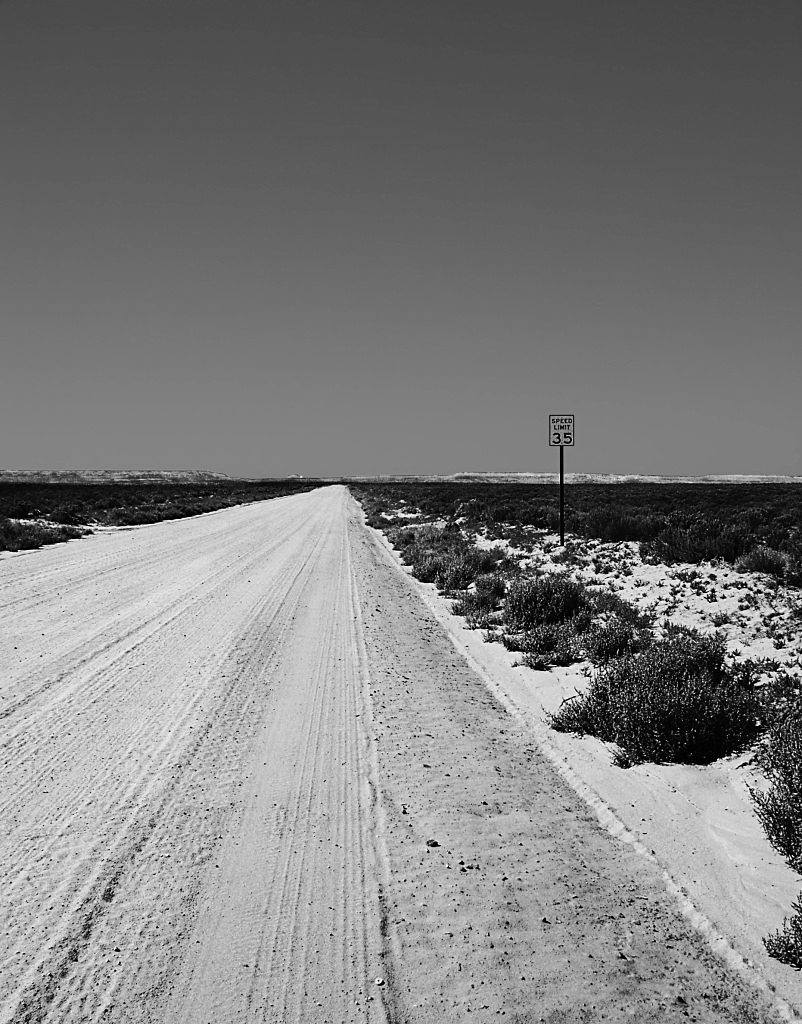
(758, 618)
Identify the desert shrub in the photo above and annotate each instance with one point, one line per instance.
(570, 554)
(135, 516)
(439, 536)
(66, 515)
(444, 557)
(476, 607)
(400, 537)
(545, 600)
(779, 809)
(793, 572)
(513, 641)
(610, 526)
(492, 559)
(427, 550)
(492, 584)
(582, 621)
(780, 696)
(698, 542)
(517, 537)
(785, 944)
(479, 605)
(550, 644)
(426, 567)
(458, 569)
(762, 559)
(676, 701)
(435, 540)
(378, 521)
(614, 639)
(16, 536)
(605, 601)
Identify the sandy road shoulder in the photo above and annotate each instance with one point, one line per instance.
(506, 896)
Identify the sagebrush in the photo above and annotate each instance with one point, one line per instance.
(779, 808)
(545, 600)
(21, 536)
(676, 701)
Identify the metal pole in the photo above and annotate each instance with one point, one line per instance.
(562, 499)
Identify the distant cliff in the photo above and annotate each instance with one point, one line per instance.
(103, 476)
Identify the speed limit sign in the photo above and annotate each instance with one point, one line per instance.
(561, 431)
(561, 435)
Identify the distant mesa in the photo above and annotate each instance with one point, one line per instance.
(580, 478)
(622, 478)
(101, 476)
(200, 476)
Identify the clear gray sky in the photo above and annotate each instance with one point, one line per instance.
(372, 236)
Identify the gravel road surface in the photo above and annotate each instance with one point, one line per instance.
(246, 777)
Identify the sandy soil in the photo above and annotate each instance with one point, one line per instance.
(698, 820)
(246, 776)
(187, 796)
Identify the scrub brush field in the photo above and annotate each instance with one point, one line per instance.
(669, 623)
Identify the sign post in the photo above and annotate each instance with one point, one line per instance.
(561, 435)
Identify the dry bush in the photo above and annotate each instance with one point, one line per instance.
(493, 584)
(476, 608)
(444, 556)
(606, 602)
(551, 644)
(614, 639)
(674, 702)
(785, 944)
(762, 559)
(546, 600)
(15, 536)
(780, 807)
(703, 541)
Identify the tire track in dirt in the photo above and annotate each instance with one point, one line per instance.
(117, 613)
(125, 777)
(293, 932)
(127, 810)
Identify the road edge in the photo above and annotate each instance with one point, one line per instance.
(606, 817)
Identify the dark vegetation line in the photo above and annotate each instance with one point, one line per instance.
(33, 514)
(658, 691)
(672, 522)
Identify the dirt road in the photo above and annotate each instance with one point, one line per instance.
(245, 777)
